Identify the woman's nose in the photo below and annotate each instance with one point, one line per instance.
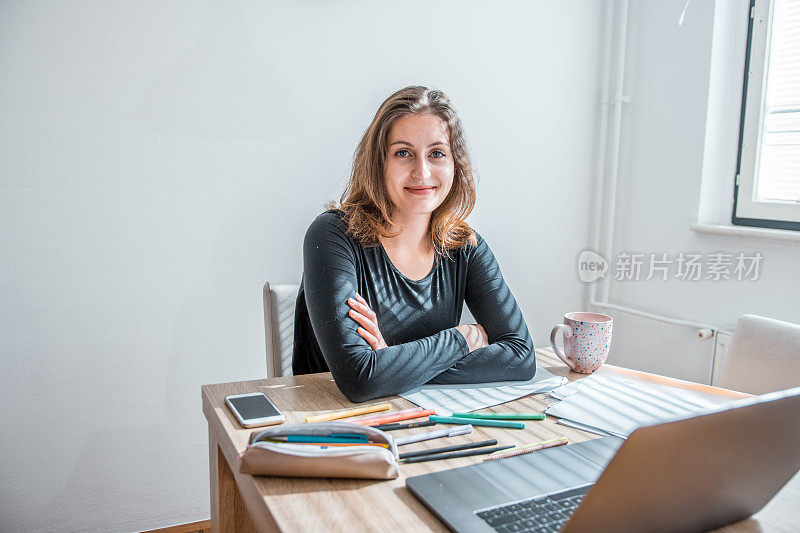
(421, 170)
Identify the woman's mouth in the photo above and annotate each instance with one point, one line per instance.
(421, 191)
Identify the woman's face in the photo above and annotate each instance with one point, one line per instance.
(419, 164)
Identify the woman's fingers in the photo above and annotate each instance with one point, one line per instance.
(368, 324)
(484, 336)
(475, 336)
(362, 308)
(365, 304)
(364, 315)
(369, 337)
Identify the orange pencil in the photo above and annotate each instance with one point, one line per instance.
(345, 413)
(364, 419)
(397, 417)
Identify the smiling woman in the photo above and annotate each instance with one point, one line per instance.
(419, 168)
(387, 273)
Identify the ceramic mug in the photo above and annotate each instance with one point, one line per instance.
(587, 338)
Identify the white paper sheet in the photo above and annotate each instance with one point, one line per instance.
(447, 399)
(584, 427)
(618, 404)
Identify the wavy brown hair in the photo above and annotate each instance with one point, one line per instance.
(365, 201)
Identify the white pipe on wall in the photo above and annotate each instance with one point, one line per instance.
(599, 182)
(677, 321)
(616, 133)
(605, 201)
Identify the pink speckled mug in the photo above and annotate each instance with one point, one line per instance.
(587, 338)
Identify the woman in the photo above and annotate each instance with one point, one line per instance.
(387, 273)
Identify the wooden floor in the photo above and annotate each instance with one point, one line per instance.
(195, 527)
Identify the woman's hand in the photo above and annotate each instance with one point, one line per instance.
(365, 316)
(475, 335)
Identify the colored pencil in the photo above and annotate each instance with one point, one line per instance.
(455, 455)
(350, 412)
(362, 419)
(396, 418)
(326, 444)
(519, 450)
(501, 416)
(294, 439)
(477, 422)
(456, 448)
(396, 426)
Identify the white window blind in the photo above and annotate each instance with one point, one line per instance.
(778, 174)
(768, 179)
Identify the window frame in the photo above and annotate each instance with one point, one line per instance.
(746, 211)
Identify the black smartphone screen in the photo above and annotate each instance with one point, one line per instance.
(254, 407)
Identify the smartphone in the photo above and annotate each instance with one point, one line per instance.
(254, 409)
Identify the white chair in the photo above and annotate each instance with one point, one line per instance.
(279, 303)
(764, 356)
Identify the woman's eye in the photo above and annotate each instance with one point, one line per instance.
(402, 153)
(437, 154)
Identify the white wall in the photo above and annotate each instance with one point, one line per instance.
(680, 128)
(160, 161)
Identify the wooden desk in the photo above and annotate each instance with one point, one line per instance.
(241, 503)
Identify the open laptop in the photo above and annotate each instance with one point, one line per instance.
(691, 474)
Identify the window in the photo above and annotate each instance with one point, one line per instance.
(767, 191)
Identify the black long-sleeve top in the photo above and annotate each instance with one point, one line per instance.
(416, 317)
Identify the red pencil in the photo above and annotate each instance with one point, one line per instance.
(397, 417)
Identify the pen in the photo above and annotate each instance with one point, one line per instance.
(398, 417)
(395, 426)
(447, 432)
(362, 419)
(501, 416)
(519, 450)
(457, 447)
(455, 455)
(477, 422)
(350, 412)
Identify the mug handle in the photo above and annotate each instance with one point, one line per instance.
(567, 334)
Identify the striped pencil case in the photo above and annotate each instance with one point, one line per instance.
(265, 457)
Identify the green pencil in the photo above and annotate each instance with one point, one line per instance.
(476, 422)
(502, 416)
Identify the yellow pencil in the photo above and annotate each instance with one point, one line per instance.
(350, 412)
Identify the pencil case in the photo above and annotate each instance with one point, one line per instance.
(262, 457)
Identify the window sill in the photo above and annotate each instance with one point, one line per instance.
(753, 233)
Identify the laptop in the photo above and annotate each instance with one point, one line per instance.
(690, 474)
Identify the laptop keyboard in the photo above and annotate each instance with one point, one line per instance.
(540, 515)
